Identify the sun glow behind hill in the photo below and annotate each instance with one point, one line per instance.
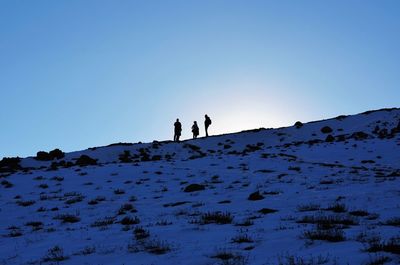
(243, 104)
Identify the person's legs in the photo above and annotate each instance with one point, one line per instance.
(206, 131)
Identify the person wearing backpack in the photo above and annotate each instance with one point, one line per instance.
(195, 130)
(178, 130)
(207, 123)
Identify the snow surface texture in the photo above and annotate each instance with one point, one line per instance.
(270, 196)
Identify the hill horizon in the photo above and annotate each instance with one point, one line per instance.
(232, 133)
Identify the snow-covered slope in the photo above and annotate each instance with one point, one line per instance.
(324, 192)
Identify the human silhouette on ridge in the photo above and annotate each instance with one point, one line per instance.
(195, 130)
(207, 123)
(178, 130)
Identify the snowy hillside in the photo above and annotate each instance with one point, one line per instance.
(325, 192)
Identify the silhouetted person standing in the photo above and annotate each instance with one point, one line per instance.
(195, 130)
(178, 130)
(207, 123)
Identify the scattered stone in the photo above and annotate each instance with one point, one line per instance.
(85, 160)
(194, 187)
(255, 196)
(298, 124)
(267, 211)
(330, 138)
(326, 129)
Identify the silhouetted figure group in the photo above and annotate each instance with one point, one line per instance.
(195, 128)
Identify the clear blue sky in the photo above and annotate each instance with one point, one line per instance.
(82, 73)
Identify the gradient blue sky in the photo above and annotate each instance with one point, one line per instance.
(82, 73)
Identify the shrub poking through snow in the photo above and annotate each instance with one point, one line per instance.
(157, 247)
(57, 178)
(360, 213)
(359, 136)
(25, 203)
(192, 146)
(229, 258)
(297, 260)
(75, 199)
(119, 191)
(328, 220)
(67, 218)
(15, 232)
(378, 260)
(194, 187)
(93, 202)
(252, 148)
(54, 254)
(6, 184)
(246, 222)
(298, 169)
(156, 158)
(337, 208)
(331, 235)
(127, 220)
(140, 233)
(127, 207)
(43, 186)
(36, 225)
(223, 255)
(125, 157)
(87, 251)
(103, 222)
(267, 211)
(153, 246)
(395, 221)
(144, 154)
(308, 207)
(377, 245)
(217, 218)
(242, 238)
